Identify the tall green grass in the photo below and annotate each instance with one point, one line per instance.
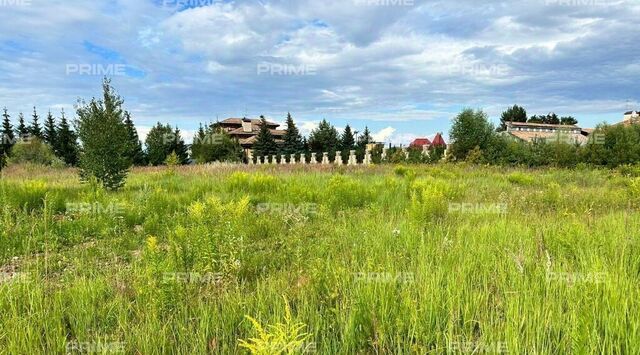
(223, 260)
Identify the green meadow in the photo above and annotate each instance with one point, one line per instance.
(226, 259)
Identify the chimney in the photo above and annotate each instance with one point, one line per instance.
(246, 125)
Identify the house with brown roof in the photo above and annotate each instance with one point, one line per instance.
(246, 130)
(542, 132)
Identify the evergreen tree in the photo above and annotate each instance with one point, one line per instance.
(512, 114)
(34, 129)
(536, 119)
(292, 138)
(551, 118)
(6, 135)
(104, 138)
(568, 120)
(365, 138)
(347, 142)
(265, 143)
(66, 147)
(306, 154)
(198, 146)
(160, 143)
(50, 131)
(324, 139)
(136, 154)
(214, 144)
(180, 148)
(22, 130)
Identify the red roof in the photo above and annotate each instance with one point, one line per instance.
(420, 142)
(438, 141)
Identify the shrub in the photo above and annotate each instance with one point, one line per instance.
(34, 151)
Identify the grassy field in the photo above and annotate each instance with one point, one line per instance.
(224, 259)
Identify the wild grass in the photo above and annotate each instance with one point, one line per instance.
(228, 259)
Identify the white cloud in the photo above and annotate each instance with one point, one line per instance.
(374, 64)
(384, 134)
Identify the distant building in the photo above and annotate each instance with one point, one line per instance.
(425, 143)
(246, 130)
(541, 132)
(438, 141)
(420, 143)
(630, 117)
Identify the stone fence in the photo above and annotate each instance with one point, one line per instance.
(338, 160)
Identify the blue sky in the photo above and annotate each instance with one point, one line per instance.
(404, 68)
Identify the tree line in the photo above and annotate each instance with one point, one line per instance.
(103, 142)
(55, 140)
(519, 114)
(475, 139)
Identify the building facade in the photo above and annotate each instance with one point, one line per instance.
(246, 130)
(541, 132)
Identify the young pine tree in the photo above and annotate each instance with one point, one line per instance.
(22, 130)
(199, 145)
(325, 138)
(66, 147)
(265, 145)
(50, 131)
(6, 135)
(292, 138)
(180, 148)
(136, 154)
(365, 138)
(34, 129)
(105, 143)
(347, 142)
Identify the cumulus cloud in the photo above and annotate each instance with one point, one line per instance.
(374, 63)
